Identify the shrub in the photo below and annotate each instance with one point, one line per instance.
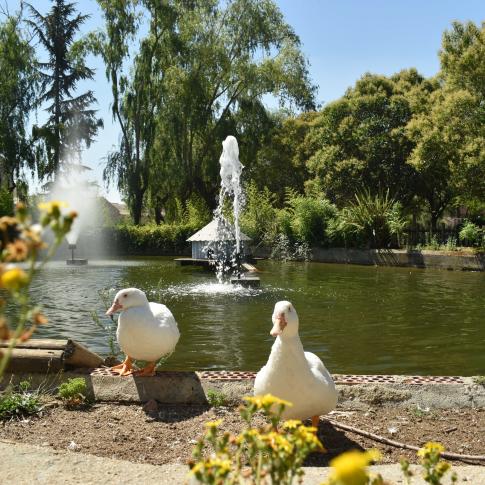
(216, 398)
(274, 454)
(196, 213)
(258, 218)
(374, 220)
(19, 403)
(310, 217)
(151, 239)
(73, 392)
(6, 203)
(471, 234)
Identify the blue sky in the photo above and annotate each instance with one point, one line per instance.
(342, 40)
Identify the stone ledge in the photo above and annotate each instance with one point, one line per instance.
(355, 392)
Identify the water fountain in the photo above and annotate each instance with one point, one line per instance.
(227, 256)
(80, 195)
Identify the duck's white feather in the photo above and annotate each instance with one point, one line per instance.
(299, 377)
(147, 332)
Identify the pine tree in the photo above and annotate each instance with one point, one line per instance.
(72, 124)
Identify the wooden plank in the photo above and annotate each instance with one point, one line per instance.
(80, 356)
(46, 344)
(36, 360)
(249, 267)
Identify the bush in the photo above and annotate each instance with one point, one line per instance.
(19, 403)
(471, 234)
(372, 220)
(310, 218)
(258, 219)
(6, 203)
(73, 392)
(216, 398)
(150, 240)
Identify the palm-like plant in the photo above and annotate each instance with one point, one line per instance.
(71, 122)
(375, 218)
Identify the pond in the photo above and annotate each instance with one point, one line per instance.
(358, 319)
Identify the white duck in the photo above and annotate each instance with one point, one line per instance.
(293, 374)
(146, 331)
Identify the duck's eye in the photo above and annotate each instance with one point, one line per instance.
(125, 295)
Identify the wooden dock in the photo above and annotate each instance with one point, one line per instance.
(50, 355)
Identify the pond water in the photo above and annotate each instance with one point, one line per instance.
(358, 319)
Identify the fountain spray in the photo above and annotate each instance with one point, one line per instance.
(227, 258)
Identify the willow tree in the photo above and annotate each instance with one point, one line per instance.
(200, 62)
(18, 91)
(72, 122)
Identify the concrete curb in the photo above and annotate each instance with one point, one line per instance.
(355, 392)
(28, 464)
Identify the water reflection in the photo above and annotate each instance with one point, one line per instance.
(357, 319)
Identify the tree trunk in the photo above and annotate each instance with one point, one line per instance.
(137, 207)
(158, 214)
(434, 221)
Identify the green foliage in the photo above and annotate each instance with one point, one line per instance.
(18, 92)
(197, 213)
(310, 218)
(150, 239)
(71, 122)
(258, 219)
(216, 398)
(273, 454)
(6, 203)
(360, 141)
(19, 403)
(372, 220)
(200, 72)
(471, 234)
(73, 392)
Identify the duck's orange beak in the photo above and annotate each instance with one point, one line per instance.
(279, 324)
(116, 306)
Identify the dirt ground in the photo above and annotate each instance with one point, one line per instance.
(167, 434)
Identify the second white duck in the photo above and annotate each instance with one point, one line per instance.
(146, 331)
(293, 374)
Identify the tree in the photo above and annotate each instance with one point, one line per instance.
(449, 155)
(18, 91)
(201, 65)
(359, 141)
(71, 123)
(280, 153)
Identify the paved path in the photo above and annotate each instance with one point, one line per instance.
(22, 464)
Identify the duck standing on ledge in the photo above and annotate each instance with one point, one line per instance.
(146, 331)
(293, 374)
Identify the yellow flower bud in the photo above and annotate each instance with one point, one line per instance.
(14, 279)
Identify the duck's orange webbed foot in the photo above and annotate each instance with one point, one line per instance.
(315, 421)
(125, 368)
(147, 371)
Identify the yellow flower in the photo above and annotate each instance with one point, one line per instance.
(213, 424)
(350, 468)
(14, 279)
(53, 208)
(430, 448)
(277, 442)
(266, 401)
(292, 424)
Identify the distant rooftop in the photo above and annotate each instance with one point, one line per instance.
(209, 233)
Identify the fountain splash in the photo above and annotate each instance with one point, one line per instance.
(228, 258)
(80, 195)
